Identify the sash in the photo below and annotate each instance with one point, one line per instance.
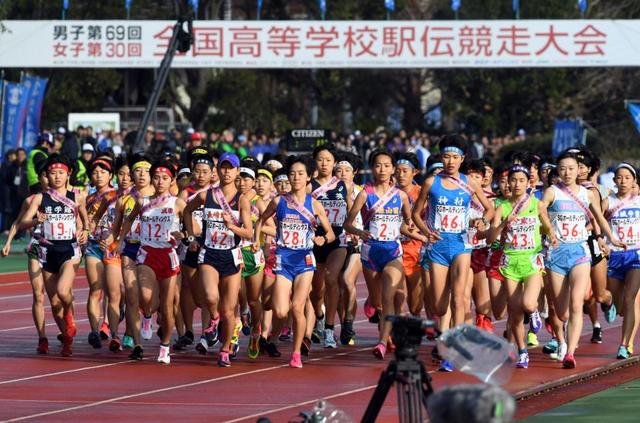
(156, 202)
(326, 187)
(192, 196)
(381, 202)
(222, 201)
(98, 198)
(575, 199)
(517, 208)
(300, 208)
(463, 186)
(627, 200)
(63, 199)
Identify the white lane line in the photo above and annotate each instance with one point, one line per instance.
(31, 326)
(13, 297)
(15, 283)
(64, 372)
(161, 390)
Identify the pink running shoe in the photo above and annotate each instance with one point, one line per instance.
(379, 351)
(296, 361)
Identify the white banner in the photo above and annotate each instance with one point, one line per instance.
(324, 44)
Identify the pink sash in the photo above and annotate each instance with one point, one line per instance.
(378, 204)
(300, 208)
(576, 200)
(627, 200)
(98, 198)
(156, 202)
(222, 201)
(326, 187)
(466, 188)
(63, 199)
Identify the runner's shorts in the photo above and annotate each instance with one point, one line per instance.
(33, 250)
(445, 251)
(411, 254)
(271, 262)
(375, 255)
(163, 261)
(566, 256)
(52, 257)
(291, 263)
(621, 262)
(493, 264)
(594, 250)
(322, 252)
(131, 250)
(191, 258)
(221, 260)
(518, 267)
(250, 266)
(93, 250)
(479, 257)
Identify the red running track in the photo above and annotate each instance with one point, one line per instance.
(97, 385)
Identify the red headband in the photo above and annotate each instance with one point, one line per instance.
(59, 166)
(163, 169)
(102, 162)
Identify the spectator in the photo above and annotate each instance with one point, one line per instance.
(8, 191)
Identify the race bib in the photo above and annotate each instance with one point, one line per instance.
(59, 227)
(293, 235)
(627, 229)
(450, 219)
(336, 211)
(237, 257)
(385, 227)
(258, 257)
(472, 239)
(570, 227)
(521, 234)
(134, 232)
(219, 236)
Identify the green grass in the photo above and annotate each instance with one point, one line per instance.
(16, 261)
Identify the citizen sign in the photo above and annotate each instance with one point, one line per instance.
(307, 133)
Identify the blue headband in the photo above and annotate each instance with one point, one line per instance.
(436, 165)
(518, 168)
(452, 149)
(405, 162)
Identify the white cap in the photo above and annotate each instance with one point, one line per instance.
(357, 133)
(87, 147)
(61, 130)
(190, 130)
(117, 150)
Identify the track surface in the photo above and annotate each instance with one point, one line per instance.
(98, 385)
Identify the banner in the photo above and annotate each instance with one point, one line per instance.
(37, 87)
(13, 115)
(324, 44)
(567, 133)
(634, 109)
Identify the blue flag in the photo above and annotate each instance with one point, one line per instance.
(65, 4)
(194, 5)
(390, 5)
(322, 4)
(516, 5)
(37, 87)
(127, 4)
(13, 114)
(455, 5)
(634, 109)
(582, 4)
(567, 133)
(259, 5)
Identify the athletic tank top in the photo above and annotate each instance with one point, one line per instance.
(334, 202)
(386, 221)
(105, 225)
(255, 215)
(294, 230)
(471, 235)
(523, 235)
(157, 223)
(448, 208)
(217, 235)
(60, 226)
(568, 220)
(625, 220)
(413, 194)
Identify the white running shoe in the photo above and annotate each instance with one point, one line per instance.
(164, 357)
(329, 340)
(146, 331)
(562, 351)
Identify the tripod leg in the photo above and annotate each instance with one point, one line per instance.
(425, 385)
(380, 394)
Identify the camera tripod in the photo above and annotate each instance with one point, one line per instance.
(413, 387)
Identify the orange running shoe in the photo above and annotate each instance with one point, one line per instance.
(43, 346)
(72, 329)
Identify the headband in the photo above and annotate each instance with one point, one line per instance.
(281, 178)
(548, 166)
(436, 165)
(163, 169)
(199, 151)
(101, 162)
(518, 168)
(274, 164)
(405, 162)
(628, 167)
(453, 149)
(202, 160)
(344, 163)
(266, 173)
(143, 164)
(248, 171)
(59, 166)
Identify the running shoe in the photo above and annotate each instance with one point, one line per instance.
(137, 353)
(296, 361)
(432, 333)
(446, 366)
(202, 346)
(318, 331)
(245, 318)
(551, 346)
(435, 355)
(105, 332)
(253, 349)
(369, 310)
(127, 342)
(184, 341)
(94, 340)
(285, 334)
(346, 332)
(72, 329)
(569, 362)
(329, 339)
(223, 359)
(67, 341)
(211, 332)
(623, 353)
(115, 345)
(487, 324)
(164, 355)
(562, 351)
(272, 350)
(523, 361)
(596, 337)
(43, 346)
(234, 351)
(609, 311)
(375, 319)
(535, 322)
(60, 337)
(548, 326)
(236, 333)
(532, 340)
(379, 351)
(146, 330)
(391, 347)
(305, 348)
